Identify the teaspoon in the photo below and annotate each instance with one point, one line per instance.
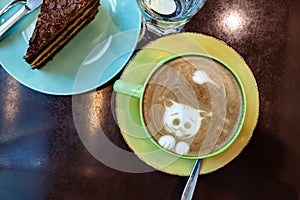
(191, 183)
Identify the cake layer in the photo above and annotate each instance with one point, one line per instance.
(55, 25)
(60, 41)
(55, 15)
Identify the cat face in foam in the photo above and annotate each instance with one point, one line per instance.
(182, 120)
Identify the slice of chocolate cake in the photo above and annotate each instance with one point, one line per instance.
(58, 22)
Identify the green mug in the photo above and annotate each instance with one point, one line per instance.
(185, 118)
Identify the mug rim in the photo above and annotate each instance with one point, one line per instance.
(243, 106)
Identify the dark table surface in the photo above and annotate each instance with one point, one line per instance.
(42, 156)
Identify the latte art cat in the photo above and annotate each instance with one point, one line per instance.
(192, 105)
(182, 121)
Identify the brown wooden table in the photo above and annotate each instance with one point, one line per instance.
(42, 156)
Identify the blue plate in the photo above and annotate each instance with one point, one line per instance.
(94, 56)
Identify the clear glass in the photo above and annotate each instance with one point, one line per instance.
(168, 16)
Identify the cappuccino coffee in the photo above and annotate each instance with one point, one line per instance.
(192, 105)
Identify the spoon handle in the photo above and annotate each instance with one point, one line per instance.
(13, 20)
(10, 5)
(191, 183)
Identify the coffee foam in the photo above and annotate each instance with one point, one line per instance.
(192, 105)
